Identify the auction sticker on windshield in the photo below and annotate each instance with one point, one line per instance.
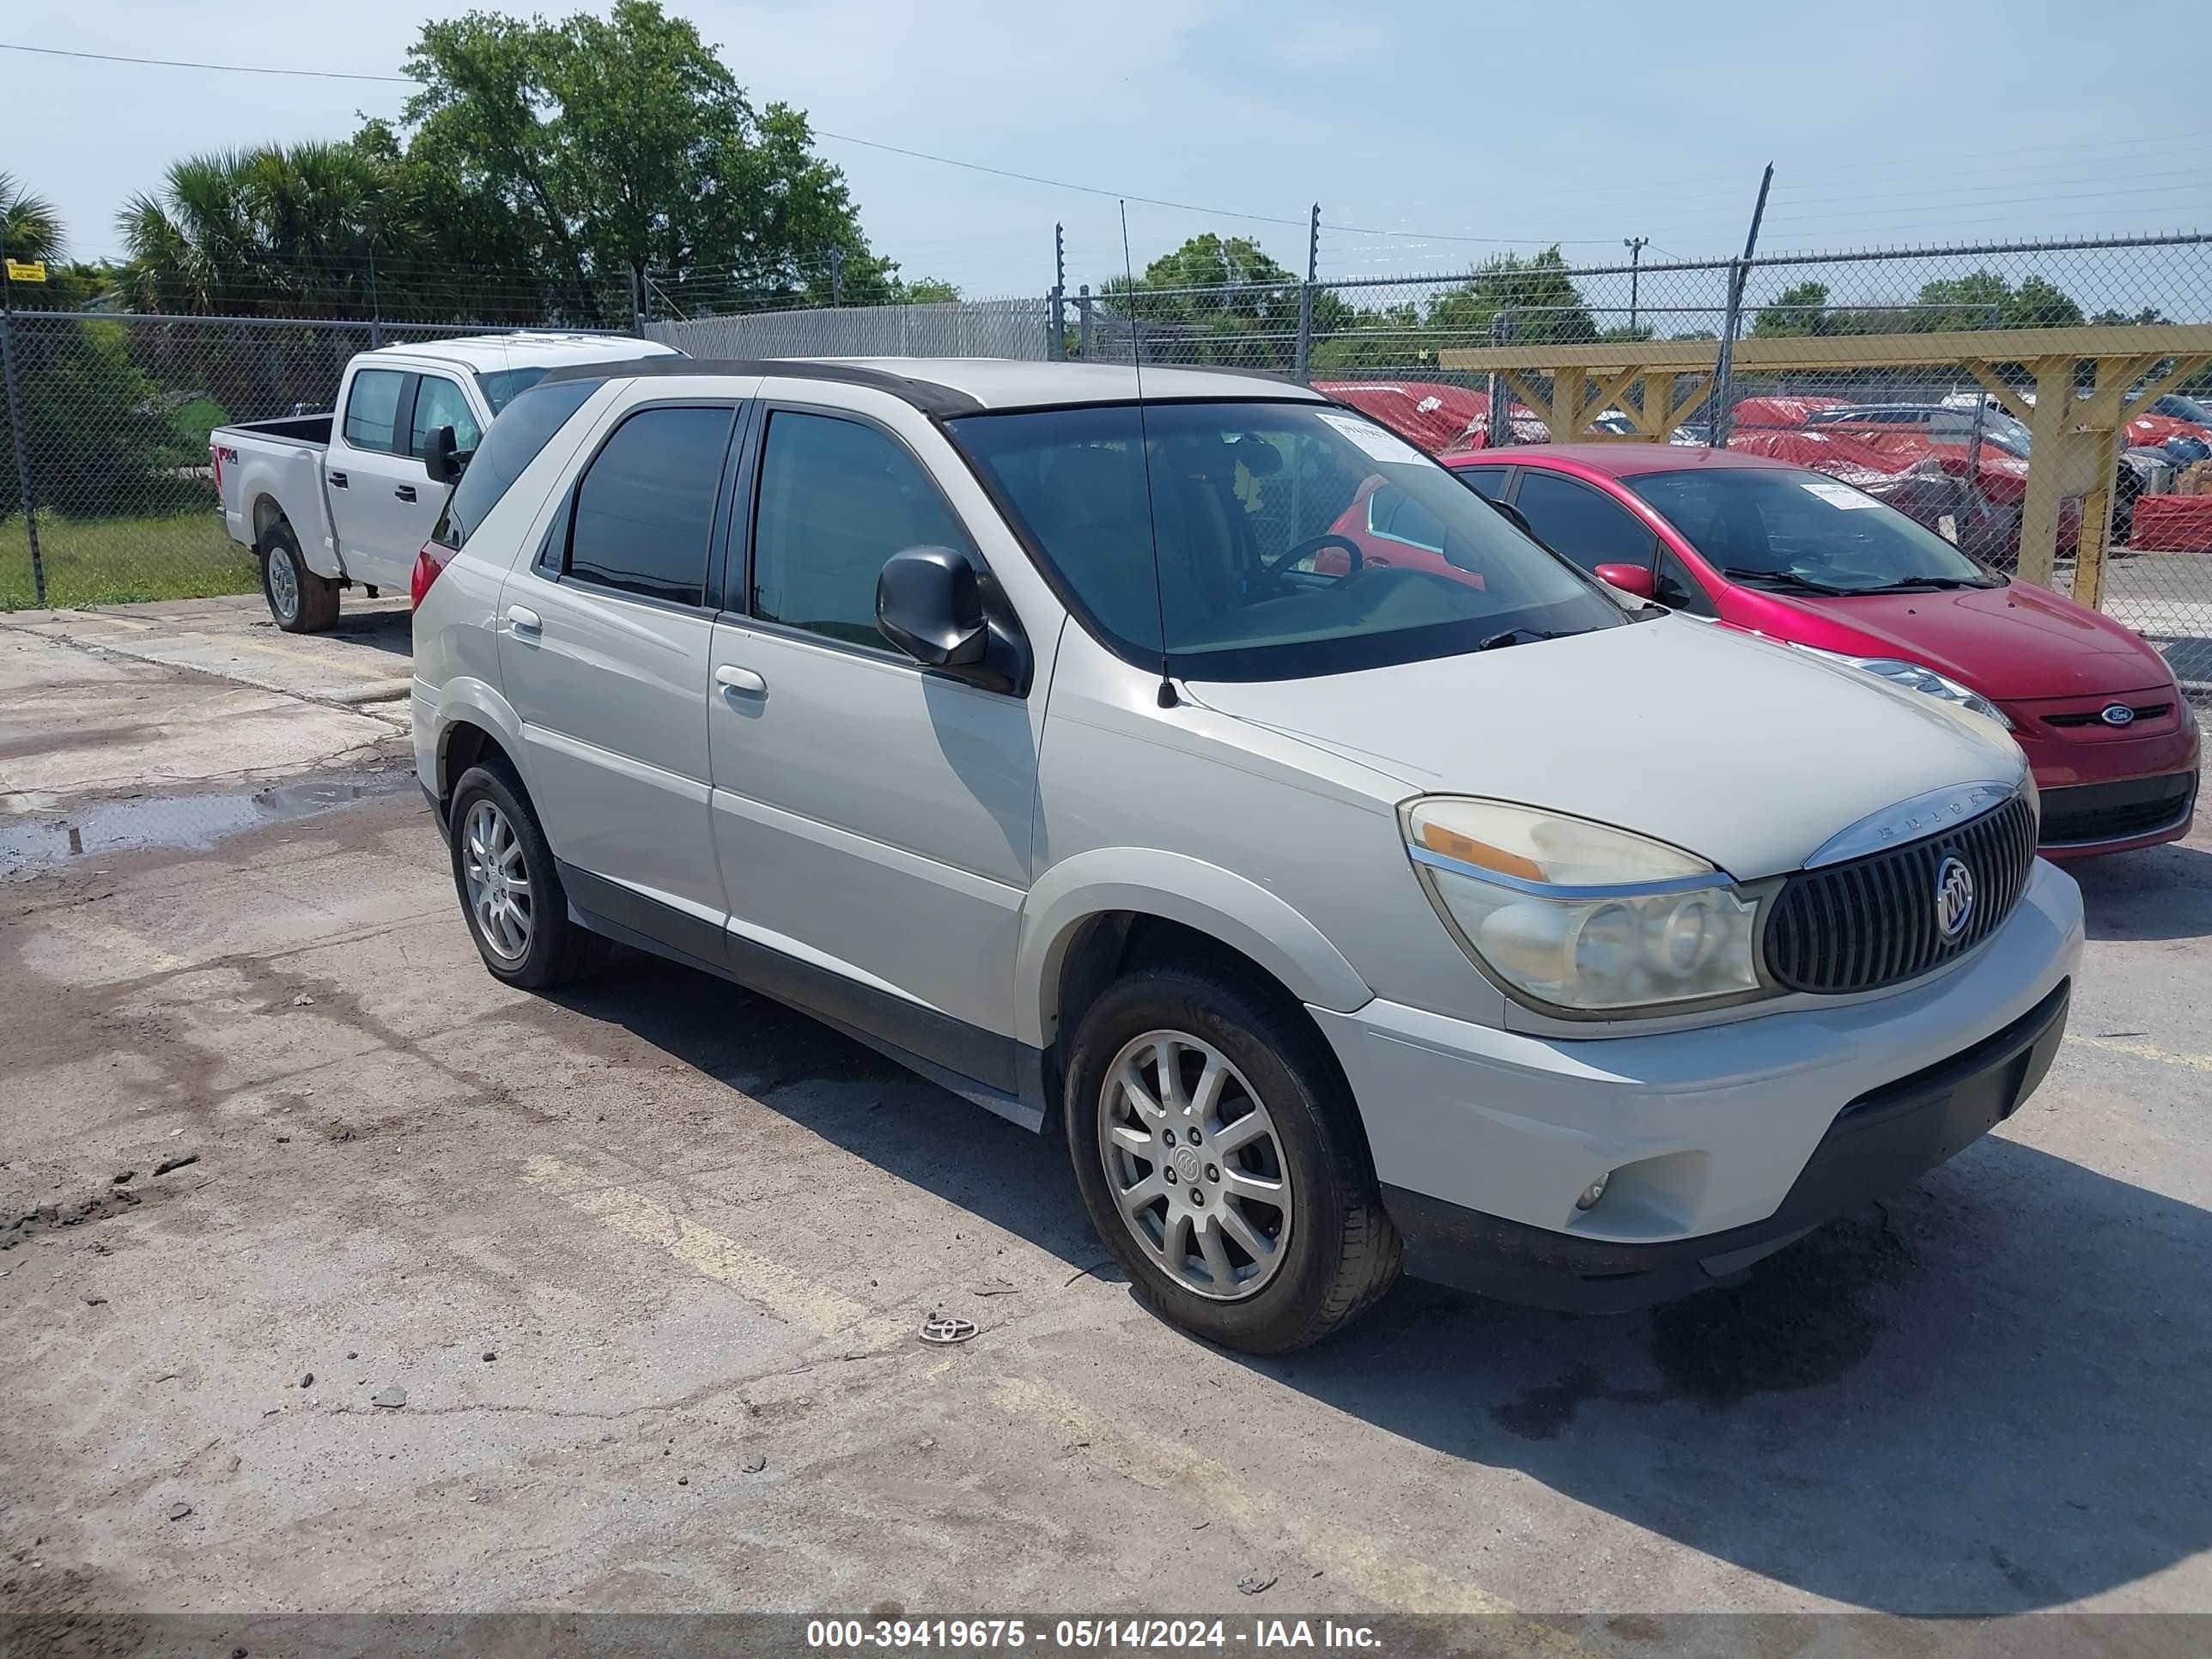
(1838, 494)
(1373, 440)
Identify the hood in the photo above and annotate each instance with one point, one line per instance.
(2012, 643)
(1738, 750)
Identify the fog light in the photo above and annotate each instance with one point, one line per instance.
(1592, 1193)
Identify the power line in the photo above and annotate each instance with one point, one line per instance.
(226, 69)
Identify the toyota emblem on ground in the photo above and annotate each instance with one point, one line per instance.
(2118, 714)
(1954, 897)
(944, 1329)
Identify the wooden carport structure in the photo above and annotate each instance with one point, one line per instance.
(2081, 429)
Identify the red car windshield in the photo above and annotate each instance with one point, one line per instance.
(1775, 527)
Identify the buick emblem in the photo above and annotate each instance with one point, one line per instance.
(2118, 714)
(1954, 898)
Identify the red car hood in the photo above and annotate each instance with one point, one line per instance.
(2016, 642)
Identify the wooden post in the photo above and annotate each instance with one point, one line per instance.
(2039, 512)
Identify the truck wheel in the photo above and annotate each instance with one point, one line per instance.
(509, 887)
(1222, 1161)
(300, 601)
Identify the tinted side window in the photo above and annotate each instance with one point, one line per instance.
(1488, 482)
(373, 409)
(514, 441)
(1674, 586)
(836, 500)
(439, 402)
(646, 509)
(1577, 521)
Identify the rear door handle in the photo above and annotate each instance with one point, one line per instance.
(338, 480)
(731, 677)
(522, 619)
(405, 492)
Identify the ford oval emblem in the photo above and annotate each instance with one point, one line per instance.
(2118, 714)
(1954, 898)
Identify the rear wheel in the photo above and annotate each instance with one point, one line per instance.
(300, 601)
(1221, 1160)
(509, 887)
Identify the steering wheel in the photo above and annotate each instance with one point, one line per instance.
(1283, 561)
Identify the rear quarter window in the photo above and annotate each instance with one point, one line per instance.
(518, 434)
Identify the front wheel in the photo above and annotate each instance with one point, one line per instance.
(1222, 1162)
(300, 601)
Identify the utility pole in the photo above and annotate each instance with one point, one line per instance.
(16, 428)
(1303, 366)
(1056, 347)
(1725, 363)
(836, 275)
(1635, 245)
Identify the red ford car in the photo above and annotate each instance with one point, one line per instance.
(1808, 560)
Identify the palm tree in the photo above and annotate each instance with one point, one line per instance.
(30, 229)
(279, 230)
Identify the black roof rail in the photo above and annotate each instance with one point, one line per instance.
(927, 396)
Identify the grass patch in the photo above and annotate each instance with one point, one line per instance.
(184, 556)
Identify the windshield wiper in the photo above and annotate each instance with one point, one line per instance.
(1513, 636)
(1919, 583)
(1782, 578)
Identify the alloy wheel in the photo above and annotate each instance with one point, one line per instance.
(284, 585)
(498, 881)
(1196, 1165)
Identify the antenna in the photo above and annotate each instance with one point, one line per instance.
(1145, 451)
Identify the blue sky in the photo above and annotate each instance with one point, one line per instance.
(1442, 133)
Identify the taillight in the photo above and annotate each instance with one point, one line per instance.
(428, 563)
(215, 453)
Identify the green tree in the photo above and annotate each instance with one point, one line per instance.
(1214, 300)
(1798, 311)
(1984, 299)
(622, 145)
(928, 291)
(29, 229)
(1544, 306)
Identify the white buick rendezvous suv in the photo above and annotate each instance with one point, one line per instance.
(1081, 744)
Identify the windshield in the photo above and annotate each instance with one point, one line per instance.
(2183, 409)
(501, 384)
(1783, 527)
(512, 443)
(1268, 567)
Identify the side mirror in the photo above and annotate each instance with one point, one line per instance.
(1629, 579)
(1513, 516)
(929, 603)
(445, 463)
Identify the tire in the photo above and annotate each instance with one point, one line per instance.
(493, 826)
(300, 601)
(1342, 1252)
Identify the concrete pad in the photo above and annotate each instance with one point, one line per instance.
(366, 656)
(76, 723)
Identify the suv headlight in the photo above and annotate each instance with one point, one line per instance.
(1578, 917)
(1918, 676)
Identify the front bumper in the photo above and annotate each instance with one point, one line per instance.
(1719, 1143)
(1879, 1143)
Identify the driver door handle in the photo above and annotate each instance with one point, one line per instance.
(744, 681)
(405, 492)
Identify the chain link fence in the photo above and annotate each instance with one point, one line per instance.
(112, 499)
(1949, 442)
(107, 495)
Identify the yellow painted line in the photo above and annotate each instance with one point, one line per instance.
(761, 1279)
(106, 938)
(1383, 1572)
(2141, 1050)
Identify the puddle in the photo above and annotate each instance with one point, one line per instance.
(190, 822)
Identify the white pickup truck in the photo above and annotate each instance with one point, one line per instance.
(329, 502)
